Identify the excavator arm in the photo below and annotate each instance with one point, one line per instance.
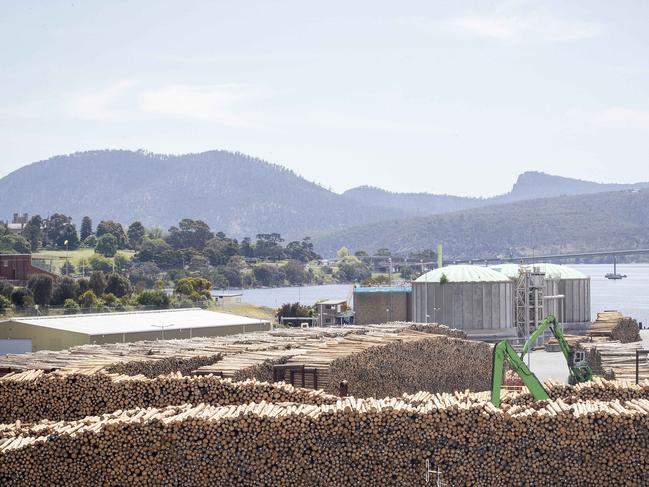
(504, 352)
(579, 370)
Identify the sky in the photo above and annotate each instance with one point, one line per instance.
(446, 97)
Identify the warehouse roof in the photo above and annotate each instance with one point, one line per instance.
(552, 271)
(138, 321)
(463, 273)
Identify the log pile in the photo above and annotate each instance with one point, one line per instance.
(421, 362)
(33, 395)
(613, 325)
(151, 358)
(363, 442)
(619, 358)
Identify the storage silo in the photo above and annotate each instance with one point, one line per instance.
(573, 308)
(575, 286)
(468, 297)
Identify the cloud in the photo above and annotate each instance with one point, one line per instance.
(624, 117)
(110, 103)
(214, 103)
(129, 100)
(520, 25)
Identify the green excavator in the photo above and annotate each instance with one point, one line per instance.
(504, 352)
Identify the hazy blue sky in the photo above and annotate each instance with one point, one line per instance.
(454, 97)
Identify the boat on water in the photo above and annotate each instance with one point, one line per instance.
(614, 275)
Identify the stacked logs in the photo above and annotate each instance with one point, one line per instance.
(436, 363)
(31, 396)
(352, 442)
(168, 365)
(613, 325)
(434, 328)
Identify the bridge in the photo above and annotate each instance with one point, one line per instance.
(548, 257)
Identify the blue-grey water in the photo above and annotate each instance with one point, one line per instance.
(630, 295)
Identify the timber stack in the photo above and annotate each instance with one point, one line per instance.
(614, 326)
(352, 442)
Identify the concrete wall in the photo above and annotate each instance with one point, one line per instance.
(370, 307)
(42, 338)
(475, 306)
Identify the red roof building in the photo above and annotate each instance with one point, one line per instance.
(18, 267)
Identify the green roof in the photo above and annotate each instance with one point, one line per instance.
(464, 273)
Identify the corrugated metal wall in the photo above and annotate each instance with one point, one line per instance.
(577, 299)
(464, 305)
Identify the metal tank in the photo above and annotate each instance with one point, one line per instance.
(471, 298)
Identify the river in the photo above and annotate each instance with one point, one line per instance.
(629, 295)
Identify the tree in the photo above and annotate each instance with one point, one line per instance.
(84, 285)
(195, 288)
(350, 269)
(98, 283)
(100, 263)
(110, 300)
(90, 242)
(144, 272)
(190, 234)
(86, 228)
(6, 288)
(220, 249)
(21, 297)
(268, 246)
(136, 233)
(88, 300)
(302, 251)
(295, 272)
(246, 248)
(71, 307)
(54, 227)
(41, 286)
(115, 229)
(65, 288)
(232, 271)
(107, 245)
(360, 253)
(159, 299)
(293, 310)
(70, 236)
(5, 304)
(268, 275)
(342, 252)
(122, 263)
(33, 232)
(12, 244)
(118, 285)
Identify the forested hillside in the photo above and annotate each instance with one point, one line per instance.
(561, 224)
(529, 185)
(232, 192)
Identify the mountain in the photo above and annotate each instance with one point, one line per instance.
(561, 224)
(529, 185)
(232, 192)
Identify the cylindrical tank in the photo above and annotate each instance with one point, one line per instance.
(467, 297)
(574, 307)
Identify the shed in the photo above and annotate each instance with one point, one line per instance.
(60, 332)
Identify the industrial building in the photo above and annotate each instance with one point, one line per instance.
(60, 332)
(380, 304)
(542, 289)
(18, 268)
(475, 299)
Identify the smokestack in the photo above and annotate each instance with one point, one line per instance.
(439, 256)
